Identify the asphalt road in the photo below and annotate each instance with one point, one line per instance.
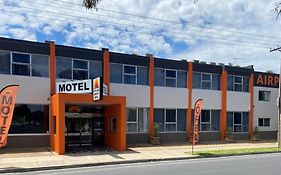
(266, 164)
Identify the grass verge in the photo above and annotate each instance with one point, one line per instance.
(235, 151)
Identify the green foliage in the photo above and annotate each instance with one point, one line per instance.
(156, 129)
(256, 130)
(91, 4)
(270, 71)
(236, 151)
(228, 131)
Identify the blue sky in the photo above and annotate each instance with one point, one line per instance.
(211, 31)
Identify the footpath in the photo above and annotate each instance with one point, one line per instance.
(21, 160)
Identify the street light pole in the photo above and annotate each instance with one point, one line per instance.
(279, 111)
(278, 102)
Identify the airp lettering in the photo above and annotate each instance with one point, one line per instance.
(267, 80)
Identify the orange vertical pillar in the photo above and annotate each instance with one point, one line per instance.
(106, 69)
(151, 85)
(60, 127)
(251, 114)
(52, 75)
(189, 111)
(123, 119)
(223, 104)
(52, 68)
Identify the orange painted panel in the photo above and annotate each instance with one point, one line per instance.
(151, 85)
(251, 114)
(189, 111)
(223, 104)
(52, 69)
(106, 69)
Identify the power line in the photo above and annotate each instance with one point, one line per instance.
(189, 34)
(131, 31)
(176, 22)
(168, 27)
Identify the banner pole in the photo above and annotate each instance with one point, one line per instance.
(197, 111)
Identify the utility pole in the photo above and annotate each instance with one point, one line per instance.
(278, 102)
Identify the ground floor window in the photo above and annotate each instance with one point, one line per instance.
(209, 120)
(137, 120)
(170, 120)
(265, 122)
(238, 121)
(30, 119)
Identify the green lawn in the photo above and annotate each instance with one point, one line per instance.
(234, 151)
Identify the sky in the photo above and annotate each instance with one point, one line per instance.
(236, 32)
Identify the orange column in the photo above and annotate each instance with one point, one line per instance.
(106, 69)
(251, 114)
(123, 118)
(52, 69)
(151, 85)
(57, 121)
(189, 113)
(223, 103)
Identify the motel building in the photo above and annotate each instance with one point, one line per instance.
(55, 105)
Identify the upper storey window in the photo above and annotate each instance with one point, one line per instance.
(128, 74)
(77, 69)
(237, 83)
(63, 68)
(21, 64)
(80, 69)
(24, 64)
(206, 81)
(5, 62)
(170, 78)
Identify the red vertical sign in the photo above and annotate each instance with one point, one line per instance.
(197, 111)
(7, 104)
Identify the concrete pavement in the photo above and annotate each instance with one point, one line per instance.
(43, 158)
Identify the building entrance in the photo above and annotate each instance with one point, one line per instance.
(84, 130)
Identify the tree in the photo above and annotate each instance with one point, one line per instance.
(277, 9)
(270, 72)
(91, 4)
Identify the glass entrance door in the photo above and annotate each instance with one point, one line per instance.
(78, 131)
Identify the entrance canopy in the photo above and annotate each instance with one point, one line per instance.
(114, 119)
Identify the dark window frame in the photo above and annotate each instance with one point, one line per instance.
(262, 122)
(170, 78)
(265, 94)
(129, 74)
(242, 124)
(136, 122)
(79, 69)
(12, 63)
(210, 81)
(165, 122)
(236, 84)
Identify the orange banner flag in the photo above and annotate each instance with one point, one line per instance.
(197, 111)
(7, 103)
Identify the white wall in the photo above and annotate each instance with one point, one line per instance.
(266, 109)
(136, 95)
(211, 98)
(238, 101)
(170, 97)
(32, 90)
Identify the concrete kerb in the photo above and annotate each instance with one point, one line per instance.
(20, 170)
